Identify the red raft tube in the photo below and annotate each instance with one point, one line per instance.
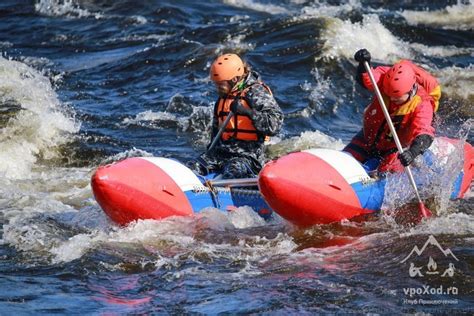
(321, 186)
(156, 188)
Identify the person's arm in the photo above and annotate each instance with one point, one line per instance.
(423, 133)
(378, 73)
(265, 112)
(358, 147)
(419, 145)
(362, 77)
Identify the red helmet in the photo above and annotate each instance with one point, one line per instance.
(399, 80)
(226, 67)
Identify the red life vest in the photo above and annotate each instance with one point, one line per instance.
(240, 127)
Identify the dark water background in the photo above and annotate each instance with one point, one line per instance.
(84, 83)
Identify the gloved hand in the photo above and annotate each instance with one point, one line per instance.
(417, 147)
(237, 108)
(406, 157)
(362, 55)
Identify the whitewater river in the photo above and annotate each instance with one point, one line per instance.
(88, 82)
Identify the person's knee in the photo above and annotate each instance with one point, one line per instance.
(238, 168)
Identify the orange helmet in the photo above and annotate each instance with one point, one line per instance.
(399, 80)
(226, 67)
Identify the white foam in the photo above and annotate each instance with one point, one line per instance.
(40, 124)
(238, 18)
(319, 93)
(306, 140)
(456, 17)
(324, 10)
(244, 217)
(249, 254)
(434, 181)
(199, 121)
(232, 42)
(149, 116)
(457, 81)
(5, 44)
(256, 6)
(458, 223)
(74, 247)
(58, 192)
(179, 233)
(139, 19)
(441, 51)
(134, 152)
(68, 8)
(139, 38)
(343, 38)
(73, 9)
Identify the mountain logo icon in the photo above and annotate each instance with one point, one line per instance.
(433, 242)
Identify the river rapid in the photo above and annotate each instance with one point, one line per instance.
(84, 83)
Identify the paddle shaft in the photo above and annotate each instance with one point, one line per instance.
(243, 182)
(219, 133)
(392, 128)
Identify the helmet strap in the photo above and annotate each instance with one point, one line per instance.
(413, 91)
(240, 85)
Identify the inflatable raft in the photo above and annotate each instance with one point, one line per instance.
(156, 188)
(321, 186)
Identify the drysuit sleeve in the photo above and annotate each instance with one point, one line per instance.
(364, 79)
(267, 116)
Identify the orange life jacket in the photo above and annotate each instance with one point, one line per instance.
(240, 127)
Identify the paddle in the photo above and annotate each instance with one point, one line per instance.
(424, 211)
(219, 133)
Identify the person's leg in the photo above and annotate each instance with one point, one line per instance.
(371, 166)
(358, 148)
(390, 163)
(240, 167)
(205, 164)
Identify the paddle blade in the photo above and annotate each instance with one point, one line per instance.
(424, 211)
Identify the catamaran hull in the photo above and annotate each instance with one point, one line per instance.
(156, 188)
(320, 186)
